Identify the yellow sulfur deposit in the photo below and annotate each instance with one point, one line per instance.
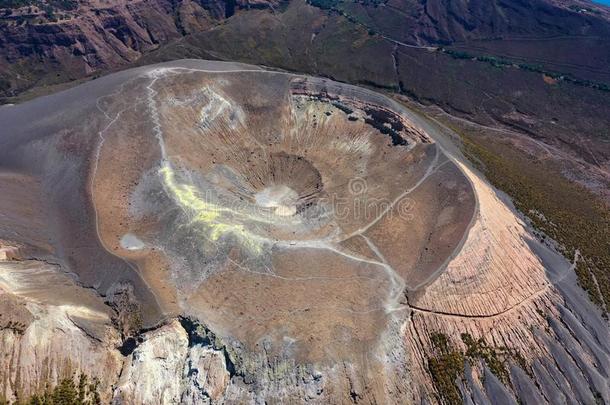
(208, 215)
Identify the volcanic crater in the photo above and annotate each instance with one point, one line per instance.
(215, 231)
(277, 208)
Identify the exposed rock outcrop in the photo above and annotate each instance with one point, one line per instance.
(153, 372)
(47, 42)
(206, 373)
(8, 252)
(50, 328)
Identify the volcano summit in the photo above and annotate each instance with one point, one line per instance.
(240, 234)
(273, 204)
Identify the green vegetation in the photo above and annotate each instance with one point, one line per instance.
(324, 4)
(64, 4)
(339, 6)
(567, 212)
(445, 367)
(494, 357)
(498, 62)
(67, 392)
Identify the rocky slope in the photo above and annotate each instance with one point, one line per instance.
(53, 42)
(50, 328)
(443, 21)
(46, 42)
(47, 337)
(549, 348)
(521, 30)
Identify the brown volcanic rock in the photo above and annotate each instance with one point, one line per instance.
(97, 35)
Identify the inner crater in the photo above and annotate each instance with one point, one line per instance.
(281, 198)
